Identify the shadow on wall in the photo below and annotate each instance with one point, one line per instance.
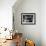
(17, 4)
(17, 23)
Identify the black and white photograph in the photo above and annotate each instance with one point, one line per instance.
(28, 18)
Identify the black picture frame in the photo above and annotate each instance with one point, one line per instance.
(28, 18)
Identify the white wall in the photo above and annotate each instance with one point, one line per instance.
(6, 13)
(43, 22)
(30, 31)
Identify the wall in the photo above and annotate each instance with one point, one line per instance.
(43, 22)
(32, 32)
(6, 13)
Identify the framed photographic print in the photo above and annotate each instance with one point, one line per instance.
(28, 18)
